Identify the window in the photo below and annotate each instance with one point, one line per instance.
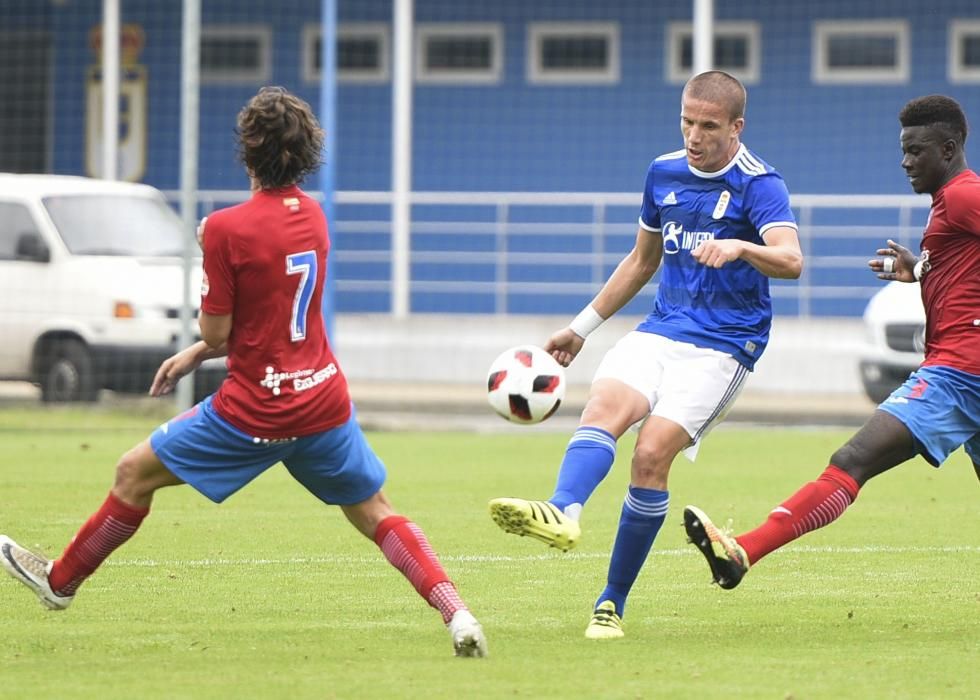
(15, 221)
(964, 51)
(103, 224)
(861, 52)
(459, 53)
(573, 52)
(362, 53)
(736, 50)
(236, 54)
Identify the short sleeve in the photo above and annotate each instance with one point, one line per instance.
(218, 290)
(649, 213)
(767, 203)
(963, 209)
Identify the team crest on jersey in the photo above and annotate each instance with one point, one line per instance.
(676, 238)
(722, 206)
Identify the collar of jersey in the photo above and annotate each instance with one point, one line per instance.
(719, 173)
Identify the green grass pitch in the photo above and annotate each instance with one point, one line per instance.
(273, 595)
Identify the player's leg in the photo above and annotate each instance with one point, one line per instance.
(340, 468)
(197, 447)
(642, 515)
(934, 412)
(695, 391)
(138, 475)
(406, 547)
(611, 409)
(616, 401)
(882, 443)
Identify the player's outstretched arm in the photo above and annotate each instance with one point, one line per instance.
(632, 273)
(896, 263)
(629, 277)
(181, 364)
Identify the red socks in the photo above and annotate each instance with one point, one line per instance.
(405, 546)
(113, 524)
(816, 504)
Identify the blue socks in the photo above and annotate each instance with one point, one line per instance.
(644, 511)
(588, 458)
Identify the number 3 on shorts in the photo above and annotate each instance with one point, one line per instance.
(304, 265)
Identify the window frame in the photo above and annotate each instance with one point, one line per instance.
(491, 76)
(957, 72)
(379, 30)
(824, 30)
(261, 76)
(677, 31)
(537, 74)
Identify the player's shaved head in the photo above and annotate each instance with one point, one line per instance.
(719, 88)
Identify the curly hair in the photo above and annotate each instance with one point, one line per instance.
(938, 112)
(280, 141)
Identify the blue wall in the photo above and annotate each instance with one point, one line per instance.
(518, 136)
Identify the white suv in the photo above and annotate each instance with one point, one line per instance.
(896, 324)
(90, 285)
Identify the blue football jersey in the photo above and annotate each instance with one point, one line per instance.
(727, 309)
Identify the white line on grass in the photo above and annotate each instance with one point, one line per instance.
(369, 559)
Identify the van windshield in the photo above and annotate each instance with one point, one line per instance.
(116, 224)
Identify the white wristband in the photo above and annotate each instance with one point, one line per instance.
(918, 271)
(586, 322)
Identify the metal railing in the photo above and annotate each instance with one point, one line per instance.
(468, 245)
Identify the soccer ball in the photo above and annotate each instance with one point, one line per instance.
(525, 384)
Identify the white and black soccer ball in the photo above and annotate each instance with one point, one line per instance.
(525, 384)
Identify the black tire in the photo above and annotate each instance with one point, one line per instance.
(67, 372)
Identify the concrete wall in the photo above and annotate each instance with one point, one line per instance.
(804, 356)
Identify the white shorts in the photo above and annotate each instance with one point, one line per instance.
(691, 386)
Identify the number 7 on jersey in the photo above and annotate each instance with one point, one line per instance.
(304, 265)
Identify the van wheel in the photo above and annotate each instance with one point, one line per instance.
(67, 372)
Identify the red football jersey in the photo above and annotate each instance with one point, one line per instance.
(265, 262)
(951, 286)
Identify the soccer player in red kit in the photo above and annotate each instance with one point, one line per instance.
(285, 398)
(938, 408)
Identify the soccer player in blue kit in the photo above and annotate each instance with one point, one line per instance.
(717, 219)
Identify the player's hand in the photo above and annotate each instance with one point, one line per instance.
(564, 346)
(717, 253)
(896, 262)
(173, 369)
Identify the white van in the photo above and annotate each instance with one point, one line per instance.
(90, 285)
(896, 327)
